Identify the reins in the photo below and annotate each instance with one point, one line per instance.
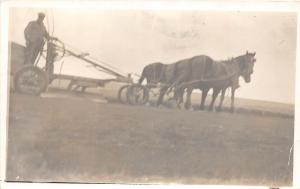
(207, 80)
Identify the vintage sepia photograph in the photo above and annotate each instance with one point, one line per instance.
(151, 96)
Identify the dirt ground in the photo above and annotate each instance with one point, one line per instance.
(77, 140)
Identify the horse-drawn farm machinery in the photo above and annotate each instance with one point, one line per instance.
(35, 79)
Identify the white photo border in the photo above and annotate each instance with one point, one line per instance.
(265, 6)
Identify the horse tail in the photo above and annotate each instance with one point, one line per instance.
(143, 76)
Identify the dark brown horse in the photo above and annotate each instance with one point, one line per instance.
(219, 76)
(199, 72)
(219, 84)
(153, 73)
(183, 71)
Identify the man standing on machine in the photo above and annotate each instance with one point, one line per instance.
(35, 34)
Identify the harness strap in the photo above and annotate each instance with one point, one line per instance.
(206, 80)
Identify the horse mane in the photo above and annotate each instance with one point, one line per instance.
(236, 59)
(241, 57)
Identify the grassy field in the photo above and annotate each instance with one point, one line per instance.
(82, 138)
(79, 140)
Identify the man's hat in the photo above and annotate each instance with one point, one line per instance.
(41, 15)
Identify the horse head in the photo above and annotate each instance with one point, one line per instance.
(246, 64)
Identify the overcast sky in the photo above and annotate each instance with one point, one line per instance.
(129, 40)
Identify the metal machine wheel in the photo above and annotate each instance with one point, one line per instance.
(137, 94)
(31, 80)
(122, 94)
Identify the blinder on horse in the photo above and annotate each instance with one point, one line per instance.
(246, 66)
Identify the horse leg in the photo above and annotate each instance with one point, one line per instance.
(203, 97)
(148, 81)
(221, 100)
(232, 100)
(187, 104)
(162, 92)
(178, 96)
(216, 92)
(177, 82)
(144, 75)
